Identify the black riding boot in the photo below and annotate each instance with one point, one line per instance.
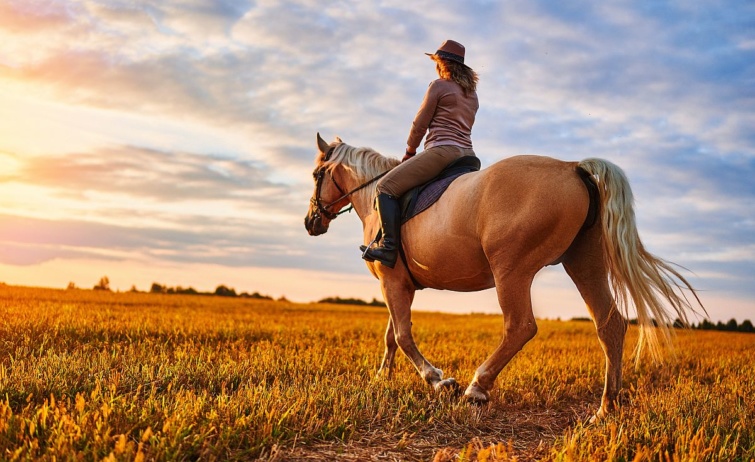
(389, 211)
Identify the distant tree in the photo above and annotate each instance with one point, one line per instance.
(71, 286)
(746, 326)
(255, 295)
(104, 284)
(351, 301)
(678, 324)
(732, 325)
(706, 325)
(134, 289)
(282, 298)
(343, 301)
(224, 291)
(581, 319)
(186, 291)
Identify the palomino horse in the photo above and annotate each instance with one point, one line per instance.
(497, 228)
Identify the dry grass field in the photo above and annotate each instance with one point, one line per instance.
(94, 375)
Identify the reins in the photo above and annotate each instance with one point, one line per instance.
(317, 201)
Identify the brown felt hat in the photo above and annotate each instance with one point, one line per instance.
(450, 50)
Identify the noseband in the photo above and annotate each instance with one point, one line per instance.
(316, 200)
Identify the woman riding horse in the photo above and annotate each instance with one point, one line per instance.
(517, 216)
(446, 115)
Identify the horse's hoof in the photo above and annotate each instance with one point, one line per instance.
(476, 398)
(597, 417)
(384, 372)
(476, 395)
(447, 384)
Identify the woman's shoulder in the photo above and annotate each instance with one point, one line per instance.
(444, 86)
(442, 83)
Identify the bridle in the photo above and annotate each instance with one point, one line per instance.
(316, 200)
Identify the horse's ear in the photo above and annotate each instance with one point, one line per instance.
(338, 139)
(322, 145)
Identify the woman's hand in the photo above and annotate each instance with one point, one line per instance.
(408, 155)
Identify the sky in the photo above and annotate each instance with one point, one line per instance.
(173, 141)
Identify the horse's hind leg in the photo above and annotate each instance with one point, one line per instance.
(386, 368)
(519, 327)
(585, 264)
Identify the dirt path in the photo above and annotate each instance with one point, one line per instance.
(527, 434)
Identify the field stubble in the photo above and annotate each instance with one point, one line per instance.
(141, 376)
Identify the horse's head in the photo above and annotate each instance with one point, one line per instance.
(328, 197)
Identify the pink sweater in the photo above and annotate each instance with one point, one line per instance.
(447, 114)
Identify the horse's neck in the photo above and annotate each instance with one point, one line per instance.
(361, 200)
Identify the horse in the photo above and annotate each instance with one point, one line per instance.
(498, 227)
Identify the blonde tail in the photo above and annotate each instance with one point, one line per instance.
(635, 274)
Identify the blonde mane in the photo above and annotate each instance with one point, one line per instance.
(364, 163)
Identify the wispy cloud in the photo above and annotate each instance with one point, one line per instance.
(161, 176)
(198, 239)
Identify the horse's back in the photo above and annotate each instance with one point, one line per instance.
(525, 210)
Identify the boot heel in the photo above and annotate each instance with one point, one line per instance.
(364, 250)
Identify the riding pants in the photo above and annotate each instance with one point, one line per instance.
(420, 169)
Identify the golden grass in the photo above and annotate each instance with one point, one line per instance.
(96, 375)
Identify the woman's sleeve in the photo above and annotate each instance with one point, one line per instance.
(423, 117)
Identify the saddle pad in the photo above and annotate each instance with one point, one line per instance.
(428, 196)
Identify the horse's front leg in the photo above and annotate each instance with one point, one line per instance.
(386, 368)
(399, 295)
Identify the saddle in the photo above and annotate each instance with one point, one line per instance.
(420, 198)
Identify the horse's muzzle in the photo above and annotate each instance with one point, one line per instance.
(314, 225)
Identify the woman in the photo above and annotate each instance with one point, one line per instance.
(446, 115)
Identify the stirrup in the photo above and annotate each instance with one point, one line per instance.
(387, 257)
(365, 248)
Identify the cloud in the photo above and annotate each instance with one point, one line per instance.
(142, 173)
(269, 70)
(31, 16)
(131, 203)
(190, 239)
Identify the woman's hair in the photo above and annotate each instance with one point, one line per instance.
(459, 73)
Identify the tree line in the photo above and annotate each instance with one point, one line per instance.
(352, 301)
(225, 291)
(221, 291)
(730, 326)
(157, 288)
